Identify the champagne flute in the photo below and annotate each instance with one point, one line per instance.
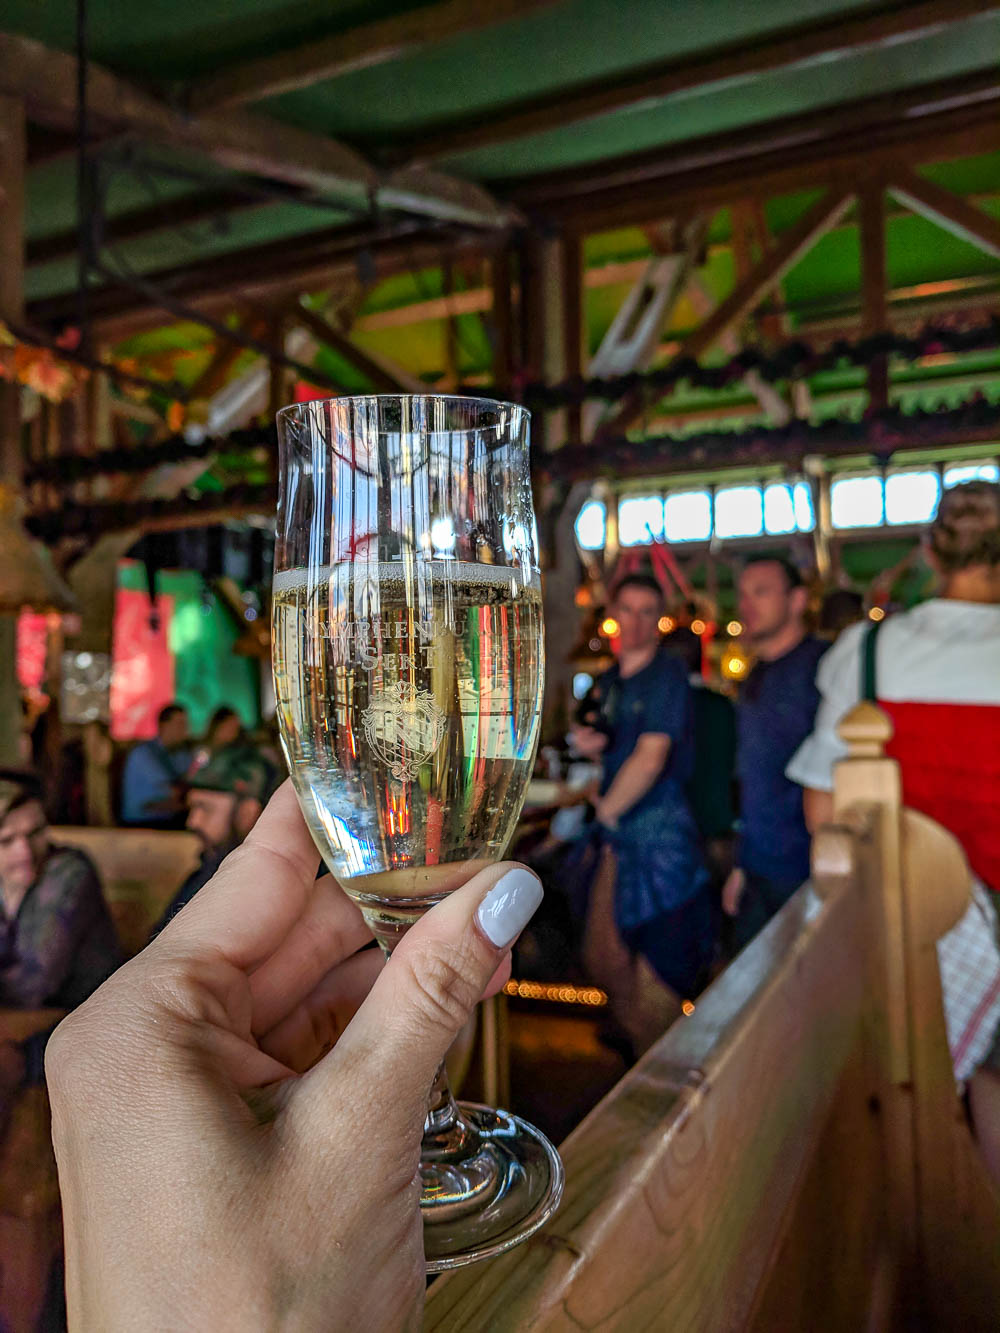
(408, 670)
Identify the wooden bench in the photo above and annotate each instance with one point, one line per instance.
(140, 870)
(794, 1156)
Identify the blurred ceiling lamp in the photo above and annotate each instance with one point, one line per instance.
(28, 578)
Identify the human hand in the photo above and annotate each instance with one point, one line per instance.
(588, 741)
(732, 891)
(238, 1147)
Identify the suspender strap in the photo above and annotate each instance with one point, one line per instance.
(869, 690)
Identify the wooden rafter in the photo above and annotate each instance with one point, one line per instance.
(223, 360)
(948, 118)
(788, 249)
(356, 48)
(385, 377)
(742, 62)
(238, 140)
(946, 209)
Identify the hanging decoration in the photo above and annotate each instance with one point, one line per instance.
(41, 368)
(795, 360)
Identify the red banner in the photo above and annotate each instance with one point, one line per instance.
(143, 677)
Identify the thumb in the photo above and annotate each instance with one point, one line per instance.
(428, 989)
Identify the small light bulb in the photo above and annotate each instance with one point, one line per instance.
(876, 613)
(609, 627)
(734, 629)
(698, 627)
(666, 624)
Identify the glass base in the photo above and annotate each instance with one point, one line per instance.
(491, 1192)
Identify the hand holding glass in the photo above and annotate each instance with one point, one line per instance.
(408, 666)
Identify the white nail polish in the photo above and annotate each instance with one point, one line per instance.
(509, 906)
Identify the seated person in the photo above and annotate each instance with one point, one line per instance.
(57, 939)
(225, 799)
(154, 768)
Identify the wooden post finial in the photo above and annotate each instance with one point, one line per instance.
(865, 731)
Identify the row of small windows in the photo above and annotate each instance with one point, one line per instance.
(777, 509)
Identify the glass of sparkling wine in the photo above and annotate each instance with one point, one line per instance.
(408, 669)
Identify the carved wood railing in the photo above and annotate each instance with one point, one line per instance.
(793, 1155)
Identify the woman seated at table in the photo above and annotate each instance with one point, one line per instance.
(57, 940)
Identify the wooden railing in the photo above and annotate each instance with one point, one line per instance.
(794, 1155)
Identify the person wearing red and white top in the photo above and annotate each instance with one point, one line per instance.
(937, 675)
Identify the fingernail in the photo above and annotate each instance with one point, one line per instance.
(509, 906)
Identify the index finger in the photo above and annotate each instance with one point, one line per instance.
(258, 893)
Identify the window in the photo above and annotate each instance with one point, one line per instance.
(779, 509)
(640, 520)
(856, 502)
(970, 472)
(592, 526)
(739, 512)
(687, 516)
(805, 516)
(911, 497)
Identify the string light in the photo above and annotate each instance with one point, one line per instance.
(666, 624)
(687, 1008)
(698, 627)
(876, 613)
(557, 992)
(734, 629)
(734, 664)
(609, 627)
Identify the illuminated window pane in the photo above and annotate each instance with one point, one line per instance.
(805, 517)
(779, 508)
(688, 516)
(911, 497)
(581, 684)
(738, 512)
(591, 526)
(954, 476)
(640, 520)
(856, 502)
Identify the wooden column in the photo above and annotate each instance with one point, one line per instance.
(501, 320)
(543, 316)
(574, 325)
(874, 317)
(12, 164)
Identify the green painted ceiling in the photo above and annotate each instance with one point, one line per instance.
(169, 45)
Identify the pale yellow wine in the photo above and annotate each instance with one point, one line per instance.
(408, 700)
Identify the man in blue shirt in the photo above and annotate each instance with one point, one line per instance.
(644, 738)
(150, 795)
(775, 713)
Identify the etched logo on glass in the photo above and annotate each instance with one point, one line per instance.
(404, 726)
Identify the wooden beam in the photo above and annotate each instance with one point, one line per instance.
(874, 285)
(205, 206)
(238, 140)
(385, 378)
(743, 62)
(949, 211)
(788, 249)
(931, 122)
(355, 48)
